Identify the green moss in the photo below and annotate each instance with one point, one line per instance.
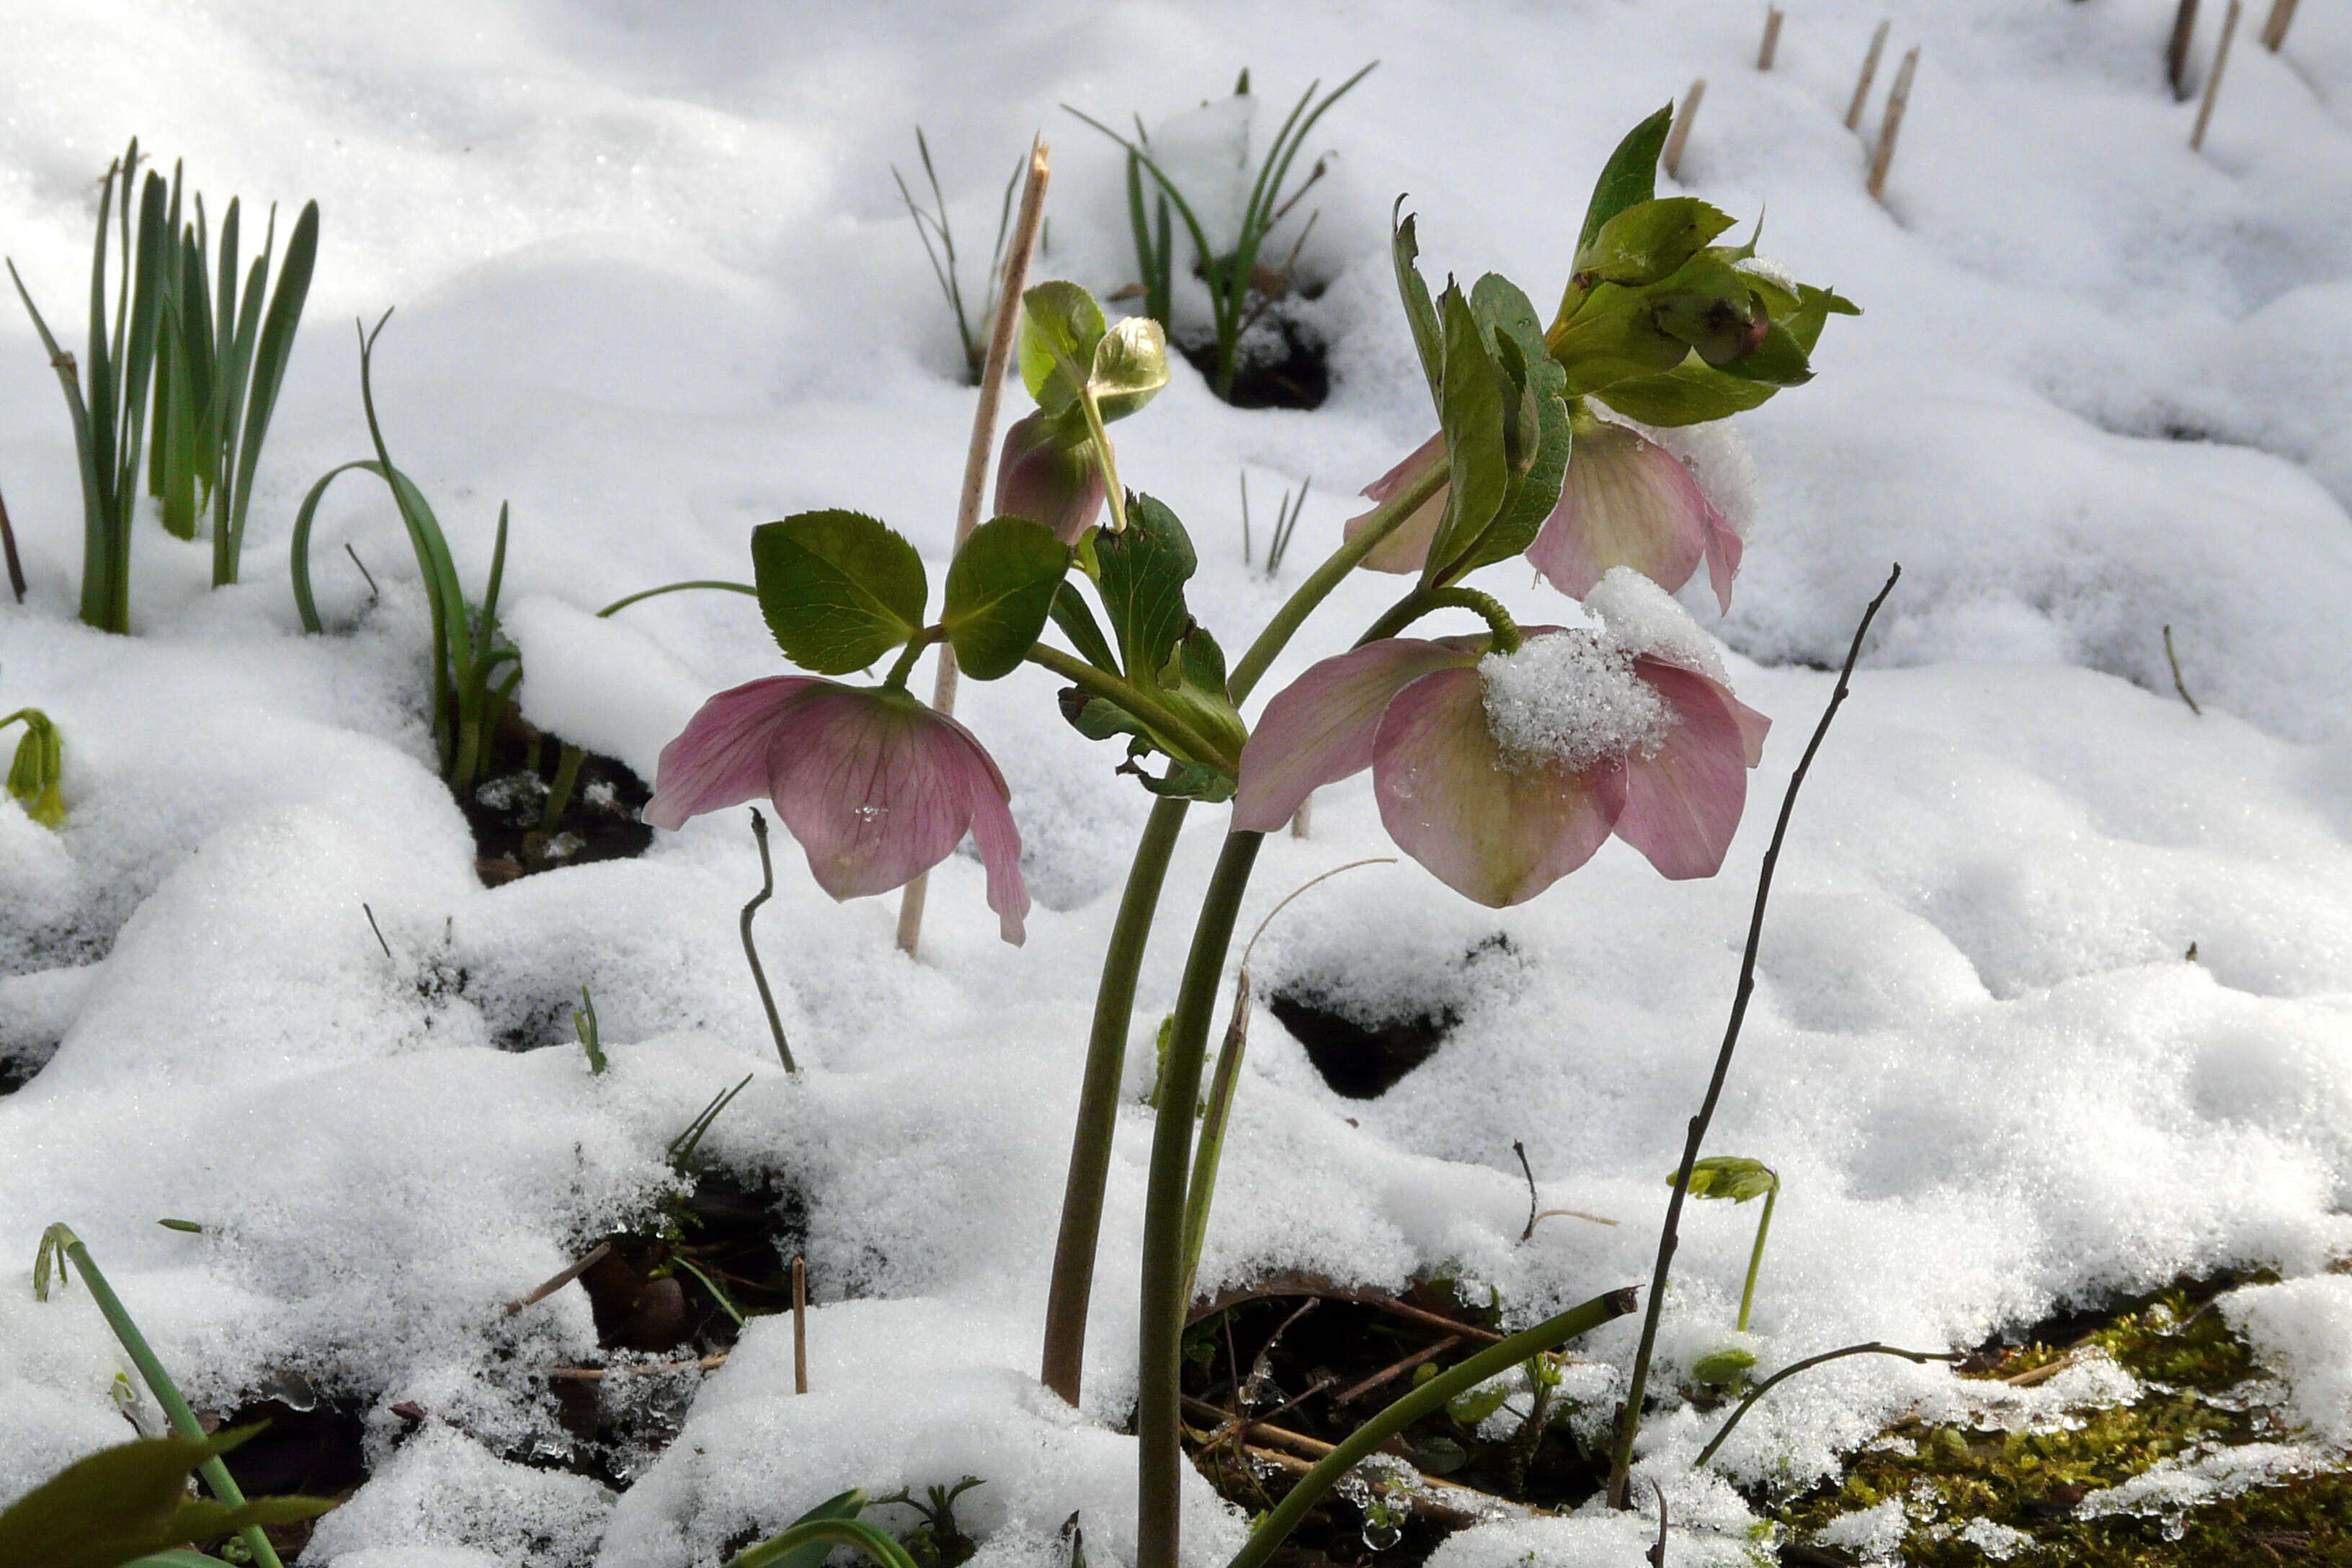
(2201, 1390)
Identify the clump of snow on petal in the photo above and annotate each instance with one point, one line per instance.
(1717, 455)
(1572, 699)
(1640, 617)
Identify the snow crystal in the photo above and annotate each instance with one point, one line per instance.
(1569, 698)
(1876, 1531)
(1773, 272)
(2300, 1330)
(1643, 618)
(2171, 1487)
(1998, 1542)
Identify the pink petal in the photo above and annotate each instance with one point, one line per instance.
(1626, 501)
(1723, 549)
(1319, 728)
(876, 786)
(1683, 803)
(720, 758)
(996, 837)
(1497, 829)
(1407, 548)
(1046, 479)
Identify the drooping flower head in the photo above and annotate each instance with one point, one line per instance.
(1626, 501)
(1045, 476)
(1502, 772)
(876, 787)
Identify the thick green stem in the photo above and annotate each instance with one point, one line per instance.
(567, 779)
(1381, 521)
(1202, 1191)
(1072, 1288)
(1159, 1356)
(1135, 699)
(1756, 1258)
(1494, 1360)
(1485, 606)
(158, 1383)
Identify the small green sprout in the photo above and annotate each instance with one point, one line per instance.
(1739, 1179)
(38, 769)
(584, 1024)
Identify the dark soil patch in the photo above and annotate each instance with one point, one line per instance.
(669, 1288)
(1310, 1368)
(515, 834)
(1359, 1061)
(1283, 364)
(19, 1067)
(308, 1447)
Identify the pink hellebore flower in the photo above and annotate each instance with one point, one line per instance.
(1626, 501)
(876, 787)
(1048, 480)
(1501, 774)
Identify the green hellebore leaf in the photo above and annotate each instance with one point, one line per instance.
(1630, 176)
(1000, 587)
(1130, 365)
(1476, 1405)
(1472, 410)
(1692, 392)
(1779, 361)
(1078, 624)
(1538, 436)
(1650, 240)
(839, 590)
(1194, 687)
(1060, 325)
(132, 1501)
(845, 1505)
(1720, 1367)
(1710, 307)
(1732, 1176)
(1428, 338)
(1615, 337)
(1814, 308)
(1143, 577)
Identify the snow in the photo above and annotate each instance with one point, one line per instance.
(1640, 617)
(655, 287)
(1572, 699)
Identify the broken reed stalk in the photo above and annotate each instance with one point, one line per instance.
(2178, 684)
(1670, 159)
(800, 1325)
(750, 953)
(1771, 44)
(2274, 27)
(642, 1369)
(2213, 77)
(1793, 1368)
(976, 455)
(2176, 51)
(559, 1282)
(1898, 98)
(9, 548)
(1869, 74)
(1629, 1421)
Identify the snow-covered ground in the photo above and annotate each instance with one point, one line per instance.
(655, 286)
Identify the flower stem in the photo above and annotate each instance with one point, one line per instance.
(750, 953)
(1629, 1421)
(159, 1382)
(1381, 521)
(1072, 1288)
(623, 603)
(1160, 1354)
(1793, 1368)
(1135, 699)
(1549, 1334)
(1488, 608)
(1756, 1258)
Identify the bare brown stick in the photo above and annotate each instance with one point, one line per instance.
(1629, 1420)
(2176, 51)
(800, 1325)
(1869, 74)
(2178, 684)
(750, 953)
(646, 1369)
(2213, 77)
(1444, 1492)
(1890, 126)
(1325, 1291)
(2275, 28)
(1672, 159)
(1395, 1370)
(975, 462)
(1658, 1554)
(1771, 44)
(560, 1280)
(1534, 1218)
(2040, 1374)
(9, 548)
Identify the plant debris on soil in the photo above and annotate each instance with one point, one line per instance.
(513, 835)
